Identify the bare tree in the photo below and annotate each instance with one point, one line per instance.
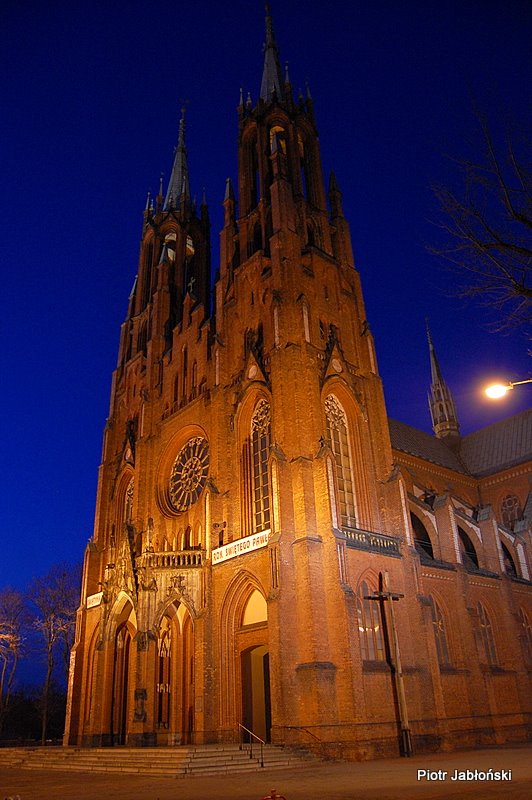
(55, 598)
(488, 229)
(12, 613)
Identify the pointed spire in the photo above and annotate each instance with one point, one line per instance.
(229, 193)
(272, 79)
(241, 98)
(179, 185)
(147, 207)
(435, 370)
(441, 403)
(335, 197)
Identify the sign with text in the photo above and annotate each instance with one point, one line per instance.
(239, 547)
(94, 600)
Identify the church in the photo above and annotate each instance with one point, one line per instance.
(272, 554)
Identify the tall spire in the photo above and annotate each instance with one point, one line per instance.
(272, 78)
(179, 184)
(441, 403)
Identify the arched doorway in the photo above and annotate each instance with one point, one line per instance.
(119, 697)
(255, 666)
(256, 703)
(175, 677)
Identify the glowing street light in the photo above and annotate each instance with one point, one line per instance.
(498, 390)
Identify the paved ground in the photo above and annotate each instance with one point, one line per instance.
(390, 779)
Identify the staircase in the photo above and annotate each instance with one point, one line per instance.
(165, 762)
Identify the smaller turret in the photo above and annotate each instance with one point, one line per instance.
(441, 403)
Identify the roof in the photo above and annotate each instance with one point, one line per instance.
(499, 446)
(424, 445)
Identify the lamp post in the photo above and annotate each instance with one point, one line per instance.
(498, 390)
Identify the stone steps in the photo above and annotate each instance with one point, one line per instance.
(162, 762)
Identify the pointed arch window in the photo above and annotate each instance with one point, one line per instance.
(128, 501)
(525, 634)
(487, 640)
(467, 549)
(256, 242)
(169, 247)
(422, 541)
(259, 451)
(148, 270)
(338, 436)
(369, 625)
(509, 563)
(194, 380)
(280, 134)
(440, 636)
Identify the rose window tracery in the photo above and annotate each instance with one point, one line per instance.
(189, 473)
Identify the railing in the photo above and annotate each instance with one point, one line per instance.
(375, 542)
(180, 558)
(241, 731)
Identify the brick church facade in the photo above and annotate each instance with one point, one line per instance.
(270, 550)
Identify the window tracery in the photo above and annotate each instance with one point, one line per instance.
(510, 510)
(338, 434)
(487, 640)
(128, 501)
(259, 451)
(369, 625)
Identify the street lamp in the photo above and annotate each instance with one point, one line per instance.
(498, 390)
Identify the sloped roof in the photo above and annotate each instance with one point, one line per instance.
(424, 445)
(499, 446)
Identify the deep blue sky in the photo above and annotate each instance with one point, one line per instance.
(91, 94)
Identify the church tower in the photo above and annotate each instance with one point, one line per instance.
(249, 519)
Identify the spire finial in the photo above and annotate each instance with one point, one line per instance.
(178, 185)
(271, 74)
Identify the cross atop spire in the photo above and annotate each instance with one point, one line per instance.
(179, 184)
(272, 78)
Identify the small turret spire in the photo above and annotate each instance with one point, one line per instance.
(441, 403)
(229, 193)
(272, 78)
(179, 184)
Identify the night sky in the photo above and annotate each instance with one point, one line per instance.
(91, 93)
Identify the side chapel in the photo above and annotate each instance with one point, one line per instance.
(269, 549)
